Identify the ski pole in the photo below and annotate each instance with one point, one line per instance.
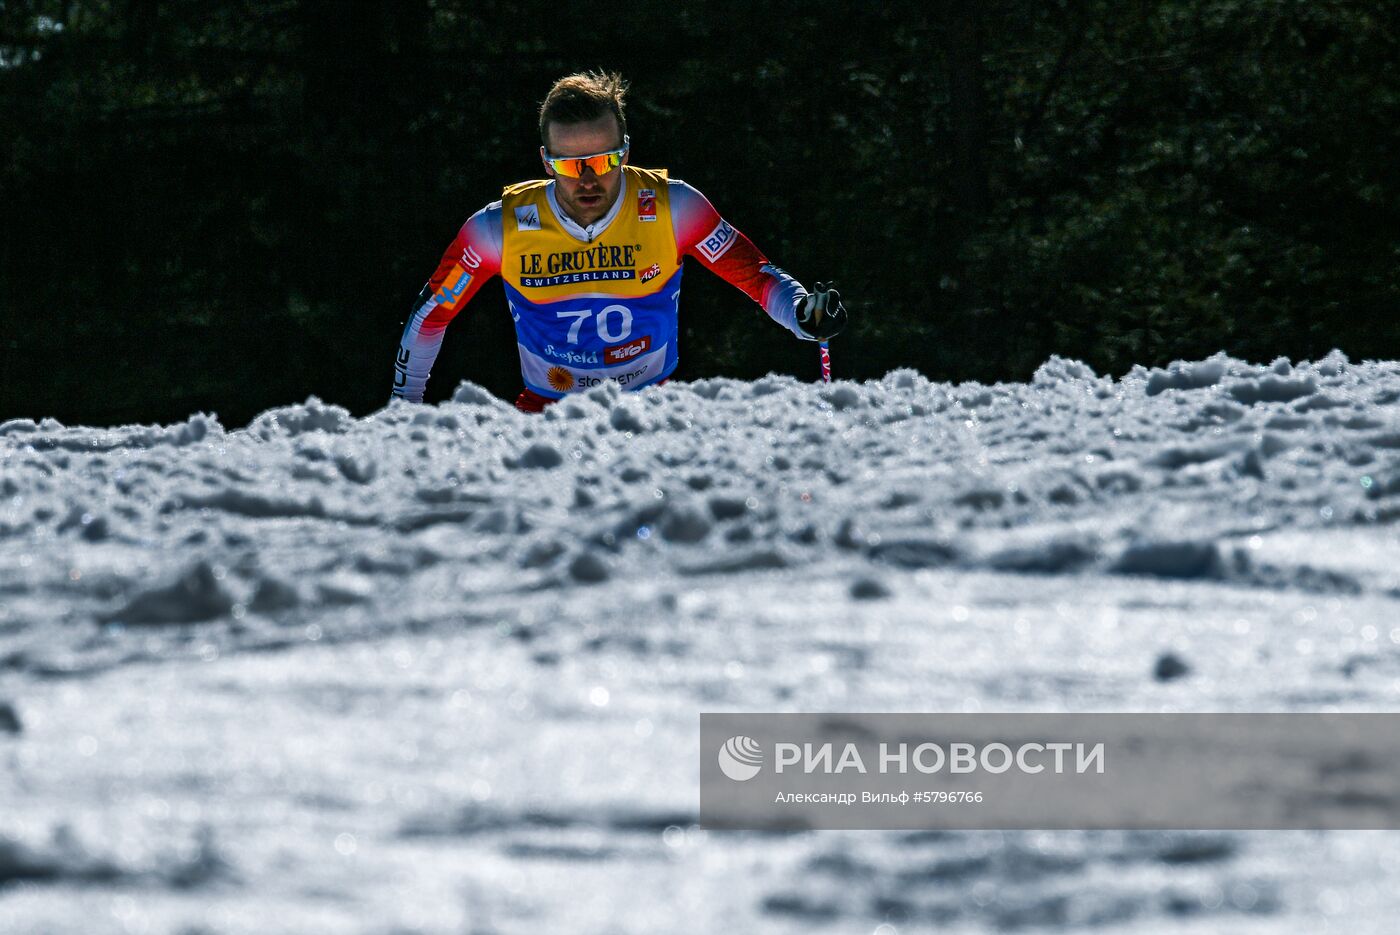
(826, 361)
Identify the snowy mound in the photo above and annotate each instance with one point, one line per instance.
(439, 669)
(1198, 471)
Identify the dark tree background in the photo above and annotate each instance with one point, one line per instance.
(228, 205)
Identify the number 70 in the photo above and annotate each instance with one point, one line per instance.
(601, 322)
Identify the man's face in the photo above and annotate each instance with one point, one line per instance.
(589, 197)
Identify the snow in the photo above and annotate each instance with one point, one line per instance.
(439, 668)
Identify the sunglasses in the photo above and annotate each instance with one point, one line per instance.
(572, 167)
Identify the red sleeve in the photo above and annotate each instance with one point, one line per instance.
(466, 265)
(473, 257)
(724, 250)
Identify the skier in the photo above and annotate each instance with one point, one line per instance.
(591, 259)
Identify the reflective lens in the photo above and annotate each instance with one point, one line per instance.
(601, 163)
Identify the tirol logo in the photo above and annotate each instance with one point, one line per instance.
(651, 272)
(527, 218)
(625, 352)
(646, 205)
(740, 758)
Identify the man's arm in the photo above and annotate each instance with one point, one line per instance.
(725, 251)
(473, 257)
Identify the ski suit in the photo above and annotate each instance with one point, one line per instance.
(589, 303)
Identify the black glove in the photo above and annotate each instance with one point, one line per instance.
(820, 314)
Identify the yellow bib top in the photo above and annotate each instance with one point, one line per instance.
(602, 310)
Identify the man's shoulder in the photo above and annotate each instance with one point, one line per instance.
(685, 196)
(483, 230)
(646, 178)
(518, 188)
(485, 217)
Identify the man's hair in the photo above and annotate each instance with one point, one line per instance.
(581, 98)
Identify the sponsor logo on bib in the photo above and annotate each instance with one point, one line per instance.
(560, 380)
(625, 352)
(574, 358)
(621, 379)
(592, 264)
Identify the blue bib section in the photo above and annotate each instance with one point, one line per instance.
(574, 343)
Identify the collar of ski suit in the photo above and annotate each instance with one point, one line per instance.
(591, 232)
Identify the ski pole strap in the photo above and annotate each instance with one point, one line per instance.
(826, 362)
